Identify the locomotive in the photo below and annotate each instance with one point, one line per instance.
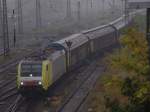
(41, 71)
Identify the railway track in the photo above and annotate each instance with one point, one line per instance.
(20, 104)
(78, 95)
(9, 95)
(78, 84)
(14, 62)
(8, 78)
(15, 105)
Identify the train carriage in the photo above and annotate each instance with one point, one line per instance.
(79, 48)
(101, 38)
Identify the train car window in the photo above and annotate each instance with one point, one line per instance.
(34, 69)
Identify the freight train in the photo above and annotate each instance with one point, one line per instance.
(39, 72)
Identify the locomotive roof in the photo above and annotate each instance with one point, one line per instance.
(30, 62)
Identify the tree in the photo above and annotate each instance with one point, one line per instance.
(130, 67)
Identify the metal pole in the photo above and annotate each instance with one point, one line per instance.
(68, 15)
(50, 4)
(148, 29)
(79, 13)
(103, 8)
(5, 29)
(91, 4)
(13, 17)
(122, 6)
(148, 25)
(1, 18)
(20, 19)
(126, 12)
(113, 10)
(87, 8)
(38, 14)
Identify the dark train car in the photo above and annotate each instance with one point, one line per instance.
(101, 38)
(77, 51)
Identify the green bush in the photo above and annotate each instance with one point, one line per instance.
(130, 67)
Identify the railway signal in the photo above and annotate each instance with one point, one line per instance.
(69, 44)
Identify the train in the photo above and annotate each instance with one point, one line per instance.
(41, 71)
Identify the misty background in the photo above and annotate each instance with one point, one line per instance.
(55, 24)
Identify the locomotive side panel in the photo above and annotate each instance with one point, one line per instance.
(58, 67)
(46, 74)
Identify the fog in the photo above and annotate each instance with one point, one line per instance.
(55, 24)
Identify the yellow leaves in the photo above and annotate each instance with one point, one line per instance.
(128, 70)
(112, 81)
(135, 42)
(131, 60)
(143, 91)
(133, 56)
(112, 86)
(115, 81)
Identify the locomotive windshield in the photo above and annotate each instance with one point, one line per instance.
(31, 70)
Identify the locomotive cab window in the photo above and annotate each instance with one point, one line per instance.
(34, 69)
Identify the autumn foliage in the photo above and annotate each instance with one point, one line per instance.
(126, 82)
(129, 73)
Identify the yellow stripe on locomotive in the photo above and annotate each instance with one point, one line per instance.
(46, 74)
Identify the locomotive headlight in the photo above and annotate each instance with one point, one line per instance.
(40, 83)
(31, 75)
(21, 83)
